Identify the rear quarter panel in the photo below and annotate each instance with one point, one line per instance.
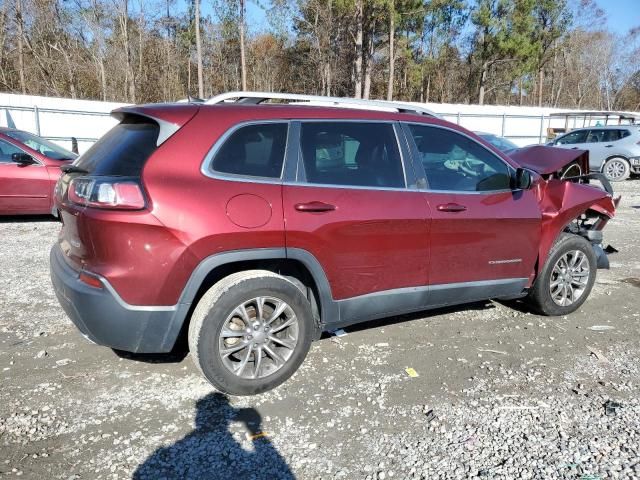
(194, 209)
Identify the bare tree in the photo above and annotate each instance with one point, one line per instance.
(20, 23)
(358, 47)
(199, 51)
(123, 50)
(392, 53)
(243, 61)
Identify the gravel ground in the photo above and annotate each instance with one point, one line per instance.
(500, 393)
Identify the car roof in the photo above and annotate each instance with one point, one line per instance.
(607, 127)
(240, 112)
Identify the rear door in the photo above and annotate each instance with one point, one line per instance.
(351, 209)
(484, 236)
(598, 146)
(607, 146)
(24, 189)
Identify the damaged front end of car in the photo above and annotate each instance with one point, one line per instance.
(568, 201)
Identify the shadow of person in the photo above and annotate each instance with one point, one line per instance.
(211, 452)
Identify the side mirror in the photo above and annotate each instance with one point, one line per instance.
(522, 179)
(22, 159)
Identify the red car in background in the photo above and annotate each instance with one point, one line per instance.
(29, 169)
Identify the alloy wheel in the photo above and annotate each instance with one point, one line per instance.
(615, 169)
(569, 278)
(258, 337)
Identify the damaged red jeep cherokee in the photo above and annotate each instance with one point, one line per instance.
(248, 228)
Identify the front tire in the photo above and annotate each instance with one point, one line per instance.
(250, 332)
(616, 169)
(565, 281)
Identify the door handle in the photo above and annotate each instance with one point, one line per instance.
(451, 207)
(608, 146)
(574, 148)
(314, 207)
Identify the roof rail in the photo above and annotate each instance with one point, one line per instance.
(255, 98)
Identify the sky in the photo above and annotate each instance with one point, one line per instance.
(622, 15)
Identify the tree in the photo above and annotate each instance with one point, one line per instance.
(392, 57)
(493, 51)
(199, 50)
(243, 62)
(552, 20)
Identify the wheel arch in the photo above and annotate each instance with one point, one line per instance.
(553, 228)
(623, 157)
(296, 264)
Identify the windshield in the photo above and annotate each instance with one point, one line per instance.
(500, 143)
(45, 147)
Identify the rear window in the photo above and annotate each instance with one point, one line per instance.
(255, 150)
(123, 151)
(607, 135)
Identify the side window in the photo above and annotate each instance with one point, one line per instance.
(595, 136)
(7, 150)
(614, 135)
(579, 136)
(456, 163)
(253, 150)
(351, 153)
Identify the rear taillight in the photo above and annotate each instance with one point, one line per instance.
(107, 192)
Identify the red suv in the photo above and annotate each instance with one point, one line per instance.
(251, 228)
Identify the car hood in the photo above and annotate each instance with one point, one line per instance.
(545, 160)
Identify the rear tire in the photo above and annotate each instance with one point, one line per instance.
(566, 279)
(250, 332)
(616, 169)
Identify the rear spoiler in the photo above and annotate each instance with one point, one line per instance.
(169, 117)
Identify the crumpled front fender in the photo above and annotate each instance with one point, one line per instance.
(561, 202)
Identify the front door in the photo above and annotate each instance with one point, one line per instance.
(23, 188)
(575, 140)
(484, 236)
(350, 208)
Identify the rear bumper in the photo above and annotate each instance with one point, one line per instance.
(104, 318)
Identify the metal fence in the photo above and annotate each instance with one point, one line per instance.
(38, 113)
(531, 128)
(543, 121)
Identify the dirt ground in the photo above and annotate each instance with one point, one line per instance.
(500, 393)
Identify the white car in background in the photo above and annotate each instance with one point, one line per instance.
(613, 150)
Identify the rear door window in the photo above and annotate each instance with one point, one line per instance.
(255, 150)
(123, 151)
(351, 154)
